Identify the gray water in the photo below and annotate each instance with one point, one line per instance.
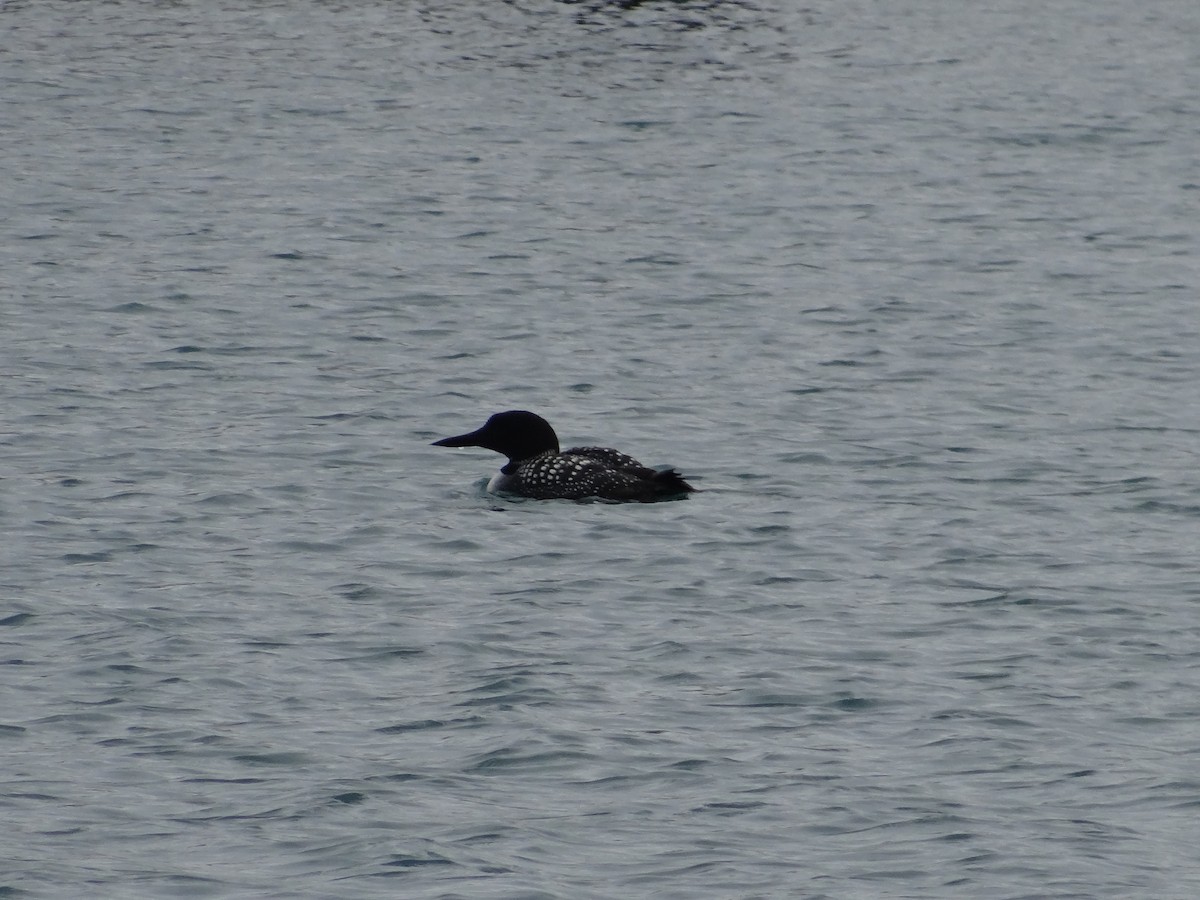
(908, 289)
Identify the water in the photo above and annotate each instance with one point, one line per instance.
(909, 290)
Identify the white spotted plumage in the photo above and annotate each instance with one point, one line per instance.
(537, 469)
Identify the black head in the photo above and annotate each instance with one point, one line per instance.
(517, 434)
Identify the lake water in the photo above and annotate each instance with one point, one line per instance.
(910, 290)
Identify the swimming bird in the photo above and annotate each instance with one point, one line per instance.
(537, 469)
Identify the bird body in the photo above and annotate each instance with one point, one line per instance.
(536, 468)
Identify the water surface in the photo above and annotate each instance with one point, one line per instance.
(909, 291)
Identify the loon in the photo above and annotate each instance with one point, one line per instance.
(537, 469)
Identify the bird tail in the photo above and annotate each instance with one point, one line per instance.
(668, 481)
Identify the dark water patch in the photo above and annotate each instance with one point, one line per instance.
(509, 759)
(729, 808)
(284, 759)
(663, 649)
(209, 779)
(261, 644)
(1188, 510)
(79, 558)
(286, 490)
(423, 725)
(356, 592)
(657, 259)
(803, 458)
(682, 678)
(126, 668)
(507, 699)
(382, 653)
(308, 547)
(773, 700)
(402, 777)
(123, 495)
(855, 704)
(225, 499)
(412, 862)
(171, 366)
